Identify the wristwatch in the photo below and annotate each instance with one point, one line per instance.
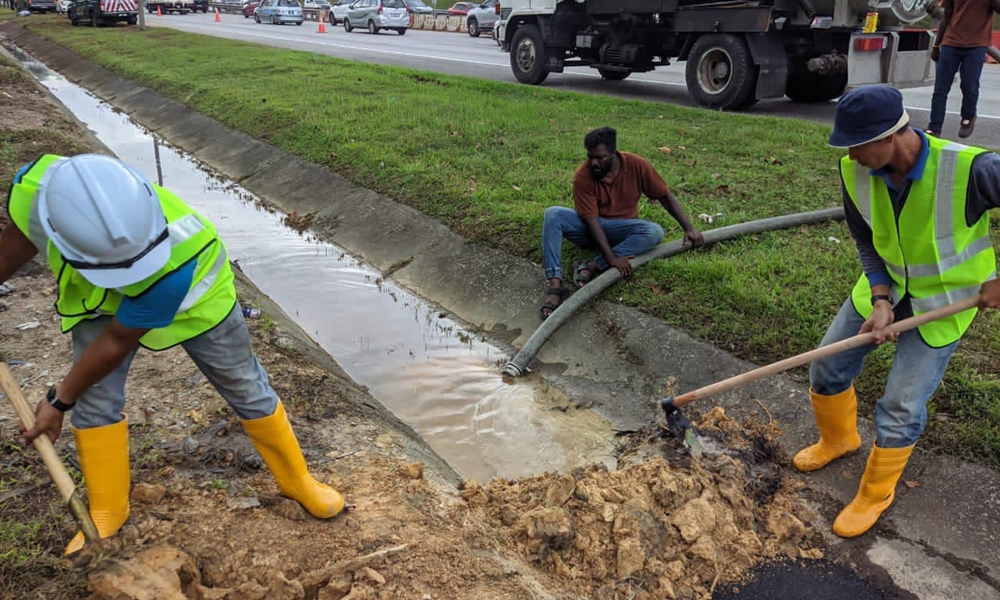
(56, 402)
(878, 297)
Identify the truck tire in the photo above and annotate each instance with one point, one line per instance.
(133, 20)
(94, 20)
(720, 72)
(805, 86)
(613, 75)
(473, 27)
(72, 17)
(527, 55)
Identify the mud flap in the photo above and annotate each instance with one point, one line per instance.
(769, 55)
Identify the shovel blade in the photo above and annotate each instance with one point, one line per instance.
(681, 428)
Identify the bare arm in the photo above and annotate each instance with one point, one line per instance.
(949, 10)
(15, 251)
(94, 364)
(594, 228)
(673, 207)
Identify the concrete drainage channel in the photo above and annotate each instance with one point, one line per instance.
(420, 363)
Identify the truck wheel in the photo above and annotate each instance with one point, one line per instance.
(613, 75)
(473, 26)
(720, 72)
(527, 55)
(72, 17)
(94, 21)
(133, 20)
(805, 86)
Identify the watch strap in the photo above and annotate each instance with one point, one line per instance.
(877, 297)
(56, 402)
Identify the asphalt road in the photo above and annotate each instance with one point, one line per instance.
(460, 54)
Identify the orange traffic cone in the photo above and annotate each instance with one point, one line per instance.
(217, 19)
(322, 28)
(158, 13)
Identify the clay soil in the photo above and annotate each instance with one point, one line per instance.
(207, 521)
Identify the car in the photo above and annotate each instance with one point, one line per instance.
(63, 5)
(249, 7)
(278, 12)
(339, 11)
(484, 16)
(460, 9)
(377, 15)
(201, 5)
(42, 6)
(417, 7)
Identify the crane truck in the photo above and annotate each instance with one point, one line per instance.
(736, 51)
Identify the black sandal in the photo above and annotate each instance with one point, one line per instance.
(562, 292)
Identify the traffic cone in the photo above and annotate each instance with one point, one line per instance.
(158, 13)
(322, 28)
(217, 19)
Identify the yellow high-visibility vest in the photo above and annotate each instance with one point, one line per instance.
(192, 238)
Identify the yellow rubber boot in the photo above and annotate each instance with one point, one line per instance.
(275, 441)
(837, 420)
(103, 455)
(876, 492)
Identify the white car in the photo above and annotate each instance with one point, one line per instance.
(483, 17)
(340, 11)
(63, 5)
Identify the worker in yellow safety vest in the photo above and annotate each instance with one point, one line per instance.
(917, 208)
(135, 266)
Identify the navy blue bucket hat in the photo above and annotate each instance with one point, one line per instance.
(867, 114)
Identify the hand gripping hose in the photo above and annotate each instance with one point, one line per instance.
(518, 365)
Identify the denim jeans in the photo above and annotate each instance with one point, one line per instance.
(967, 61)
(627, 237)
(917, 370)
(224, 355)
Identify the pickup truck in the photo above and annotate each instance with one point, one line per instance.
(102, 12)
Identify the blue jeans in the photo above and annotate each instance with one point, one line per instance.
(917, 370)
(967, 61)
(627, 237)
(224, 355)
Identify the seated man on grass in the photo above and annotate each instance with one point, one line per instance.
(607, 188)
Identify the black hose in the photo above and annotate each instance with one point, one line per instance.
(518, 365)
(808, 8)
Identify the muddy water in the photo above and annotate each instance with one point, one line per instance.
(421, 364)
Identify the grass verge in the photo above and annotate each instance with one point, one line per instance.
(486, 158)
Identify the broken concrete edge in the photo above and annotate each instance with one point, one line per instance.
(624, 350)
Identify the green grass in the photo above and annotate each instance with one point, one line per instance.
(487, 158)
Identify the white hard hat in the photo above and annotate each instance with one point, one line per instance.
(105, 219)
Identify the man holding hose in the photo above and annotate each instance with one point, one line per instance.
(917, 207)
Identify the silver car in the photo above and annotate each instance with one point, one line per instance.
(340, 11)
(278, 12)
(377, 15)
(482, 17)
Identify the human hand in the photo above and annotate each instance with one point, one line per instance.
(882, 316)
(935, 53)
(694, 236)
(989, 295)
(48, 420)
(622, 264)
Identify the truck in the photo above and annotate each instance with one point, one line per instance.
(737, 52)
(102, 12)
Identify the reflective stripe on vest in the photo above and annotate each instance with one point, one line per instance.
(929, 250)
(207, 303)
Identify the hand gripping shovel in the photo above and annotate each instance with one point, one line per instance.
(680, 427)
(52, 462)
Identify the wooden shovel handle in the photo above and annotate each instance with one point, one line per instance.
(853, 342)
(42, 443)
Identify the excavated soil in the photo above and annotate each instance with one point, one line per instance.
(207, 521)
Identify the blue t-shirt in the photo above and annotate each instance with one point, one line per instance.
(157, 306)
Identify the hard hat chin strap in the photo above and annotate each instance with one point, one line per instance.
(80, 265)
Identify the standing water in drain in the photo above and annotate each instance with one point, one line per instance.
(422, 365)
